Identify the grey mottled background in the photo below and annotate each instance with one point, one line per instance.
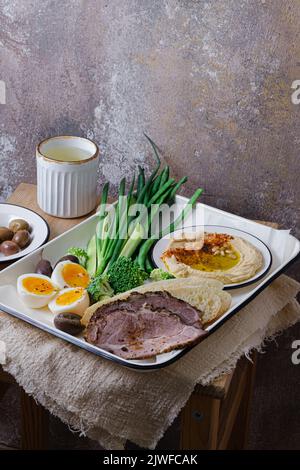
(210, 81)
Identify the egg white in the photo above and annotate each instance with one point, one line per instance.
(57, 275)
(79, 306)
(31, 299)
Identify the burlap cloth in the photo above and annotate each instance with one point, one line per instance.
(111, 403)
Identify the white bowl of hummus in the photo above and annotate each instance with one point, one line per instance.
(230, 255)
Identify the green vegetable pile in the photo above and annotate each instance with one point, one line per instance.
(118, 252)
(125, 274)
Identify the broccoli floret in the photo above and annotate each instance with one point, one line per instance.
(125, 274)
(80, 253)
(159, 274)
(99, 288)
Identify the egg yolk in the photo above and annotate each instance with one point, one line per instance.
(38, 286)
(75, 275)
(68, 298)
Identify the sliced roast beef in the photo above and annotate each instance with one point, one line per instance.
(144, 325)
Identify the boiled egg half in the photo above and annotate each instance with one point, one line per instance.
(69, 274)
(71, 300)
(36, 290)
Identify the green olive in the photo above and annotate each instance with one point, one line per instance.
(21, 238)
(5, 234)
(18, 224)
(9, 248)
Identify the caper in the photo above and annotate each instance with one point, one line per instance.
(18, 224)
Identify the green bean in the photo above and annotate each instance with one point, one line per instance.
(156, 184)
(141, 195)
(163, 188)
(119, 209)
(141, 180)
(163, 198)
(146, 246)
(102, 248)
(112, 233)
(154, 147)
(143, 251)
(177, 186)
(147, 196)
(115, 251)
(186, 210)
(164, 175)
(103, 199)
(131, 189)
(122, 187)
(148, 265)
(120, 240)
(142, 173)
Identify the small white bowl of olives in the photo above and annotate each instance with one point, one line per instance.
(21, 232)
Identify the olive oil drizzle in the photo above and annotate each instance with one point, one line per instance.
(206, 261)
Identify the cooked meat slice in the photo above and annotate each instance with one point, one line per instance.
(145, 325)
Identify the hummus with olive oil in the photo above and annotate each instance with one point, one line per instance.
(212, 255)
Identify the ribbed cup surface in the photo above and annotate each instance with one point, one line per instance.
(66, 190)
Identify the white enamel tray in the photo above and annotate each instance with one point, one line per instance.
(283, 246)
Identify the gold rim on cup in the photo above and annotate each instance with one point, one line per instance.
(71, 162)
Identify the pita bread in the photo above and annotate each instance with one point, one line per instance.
(210, 300)
(205, 294)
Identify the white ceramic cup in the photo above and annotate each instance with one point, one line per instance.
(67, 188)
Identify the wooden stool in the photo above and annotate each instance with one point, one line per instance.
(34, 418)
(215, 417)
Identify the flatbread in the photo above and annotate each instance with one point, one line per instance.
(205, 294)
(210, 300)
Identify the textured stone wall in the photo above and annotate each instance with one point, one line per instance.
(210, 81)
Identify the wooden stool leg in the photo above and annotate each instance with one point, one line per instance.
(239, 437)
(200, 423)
(220, 423)
(34, 424)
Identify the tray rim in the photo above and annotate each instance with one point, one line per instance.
(112, 357)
